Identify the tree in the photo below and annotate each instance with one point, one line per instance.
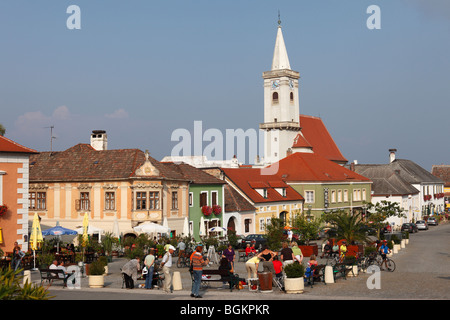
(2, 130)
(274, 233)
(307, 227)
(379, 212)
(347, 225)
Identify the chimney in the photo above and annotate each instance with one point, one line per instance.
(392, 155)
(99, 140)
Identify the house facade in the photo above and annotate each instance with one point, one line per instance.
(443, 173)
(269, 194)
(14, 185)
(123, 184)
(415, 189)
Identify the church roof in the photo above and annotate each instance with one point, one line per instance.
(317, 135)
(312, 167)
(7, 145)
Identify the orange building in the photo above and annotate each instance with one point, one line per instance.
(14, 175)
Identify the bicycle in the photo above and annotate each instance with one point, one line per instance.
(389, 264)
(184, 261)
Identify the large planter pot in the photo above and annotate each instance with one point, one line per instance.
(96, 281)
(403, 244)
(294, 285)
(396, 248)
(307, 251)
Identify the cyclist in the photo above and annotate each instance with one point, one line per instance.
(343, 250)
(181, 248)
(384, 250)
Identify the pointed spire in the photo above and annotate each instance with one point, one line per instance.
(280, 56)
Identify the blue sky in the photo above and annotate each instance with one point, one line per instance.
(141, 69)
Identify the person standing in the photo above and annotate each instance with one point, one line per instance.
(167, 264)
(149, 263)
(384, 250)
(230, 255)
(17, 255)
(130, 271)
(197, 263)
(252, 267)
(298, 255)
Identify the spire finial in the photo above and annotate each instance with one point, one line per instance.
(279, 20)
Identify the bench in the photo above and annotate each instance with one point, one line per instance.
(342, 269)
(317, 273)
(225, 276)
(53, 274)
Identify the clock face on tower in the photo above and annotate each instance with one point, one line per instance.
(275, 84)
(291, 84)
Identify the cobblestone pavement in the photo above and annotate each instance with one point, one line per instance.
(422, 273)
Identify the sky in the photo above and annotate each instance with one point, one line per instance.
(142, 69)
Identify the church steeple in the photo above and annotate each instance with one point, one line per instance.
(281, 106)
(280, 57)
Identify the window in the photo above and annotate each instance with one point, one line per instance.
(203, 199)
(141, 200)
(191, 200)
(261, 224)
(110, 201)
(84, 201)
(339, 196)
(275, 97)
(37, 200)
(247, 225)
(345, 195)
(364, 194)
(265, 193)
(153, 200)
(213, 198)
(291, 96)
(309, 196)
(175, 200)
(333, 196)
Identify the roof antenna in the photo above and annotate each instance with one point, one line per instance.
(279, 20)
(51, 137)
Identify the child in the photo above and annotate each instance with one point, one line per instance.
(278, 266)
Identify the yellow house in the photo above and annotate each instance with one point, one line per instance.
(126, 185)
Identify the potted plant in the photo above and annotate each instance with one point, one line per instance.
(104, 261)
(294, 282)
(352, 267)
(96, 274)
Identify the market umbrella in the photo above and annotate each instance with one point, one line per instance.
(186, 227)
(91, 230)
(115, 230)
(35, 237)
(217, 229)
(202, 231)
(85, 232)
(151, 227)
(58, 231)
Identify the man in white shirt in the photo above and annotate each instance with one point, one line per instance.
(167, 264)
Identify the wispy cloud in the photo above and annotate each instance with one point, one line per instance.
(118, 114)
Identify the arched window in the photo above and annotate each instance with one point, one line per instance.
(275, 97)
(291, 95)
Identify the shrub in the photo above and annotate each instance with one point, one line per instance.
(96, 268)
(294, 270)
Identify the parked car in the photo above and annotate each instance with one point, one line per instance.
(432, 221)
(410, 227)
(256, 239)
(422, 225)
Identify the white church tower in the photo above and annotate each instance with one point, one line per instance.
(281, 106)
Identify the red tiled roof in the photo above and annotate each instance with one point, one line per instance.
(7, 145)
(300, 142)
(234, 201)
(312, 167)
(317, 135)
(245, 178)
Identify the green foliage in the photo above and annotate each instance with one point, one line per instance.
(103, 260)
(11, 288)
(45, 259)
(107, 242)
(369, 250)
(96, 268)
(274, 233)
(379, 212)
(232, 238)
(348, 226)
(2, 130)
(294, 270)
(308, 227)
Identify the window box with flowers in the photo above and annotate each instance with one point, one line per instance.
(217, 209)
(3, 210)
(207, 210)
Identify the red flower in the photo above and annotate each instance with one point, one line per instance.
(206, 210)
(3, 209)
(217, 209)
